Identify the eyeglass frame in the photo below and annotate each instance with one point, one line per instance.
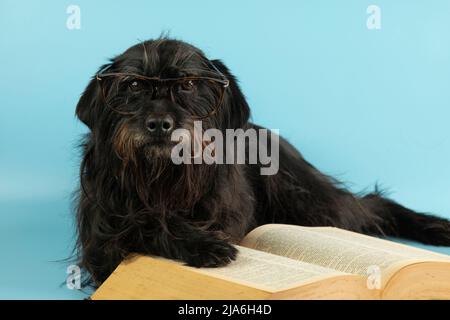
(225, 83)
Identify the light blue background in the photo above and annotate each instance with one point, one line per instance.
(364, 105)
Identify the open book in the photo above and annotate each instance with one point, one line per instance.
(278, 261)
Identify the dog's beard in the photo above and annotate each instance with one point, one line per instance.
(148, 160)
(144, 164)
(156, 152)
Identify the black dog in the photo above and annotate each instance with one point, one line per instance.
(133, 198)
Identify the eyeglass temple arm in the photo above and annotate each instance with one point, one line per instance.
(226, 81)
(102, 71)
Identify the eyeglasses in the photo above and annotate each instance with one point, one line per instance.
(120, 91)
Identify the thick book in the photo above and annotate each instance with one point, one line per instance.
(278, 261)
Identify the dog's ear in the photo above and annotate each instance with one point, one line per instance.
(239, 111)
(88, 106)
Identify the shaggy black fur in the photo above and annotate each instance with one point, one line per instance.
(134, 199)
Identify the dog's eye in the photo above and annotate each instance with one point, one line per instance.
(187, 85)
(135, 85)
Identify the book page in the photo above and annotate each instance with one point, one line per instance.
(268, 271)
(335, 248)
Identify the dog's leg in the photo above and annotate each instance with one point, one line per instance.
(195, 246)
(402, 222)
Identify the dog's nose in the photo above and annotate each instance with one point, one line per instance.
(159, 124)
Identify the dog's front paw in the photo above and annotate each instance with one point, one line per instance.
(211, 253)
